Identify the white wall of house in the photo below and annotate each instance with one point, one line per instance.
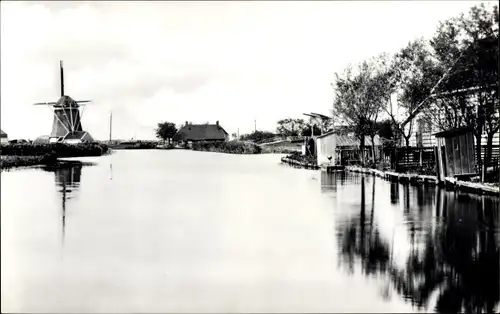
(421, 132)
(4, 140)
(325, 148)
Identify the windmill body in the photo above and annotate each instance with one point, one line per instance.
(67, 121)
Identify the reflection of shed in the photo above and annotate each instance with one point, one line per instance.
(455, 153)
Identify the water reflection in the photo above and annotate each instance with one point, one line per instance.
(452, 263)
(67, 180)
(329, 181)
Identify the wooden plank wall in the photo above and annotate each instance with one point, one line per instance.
(470, 153)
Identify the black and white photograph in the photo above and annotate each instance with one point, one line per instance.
(250, 156)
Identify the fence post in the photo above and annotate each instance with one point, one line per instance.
(421, 156)
(396, 161)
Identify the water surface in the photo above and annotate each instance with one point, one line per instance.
(184, 231)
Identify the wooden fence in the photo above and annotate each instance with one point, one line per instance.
(409, 159)
(412, 158)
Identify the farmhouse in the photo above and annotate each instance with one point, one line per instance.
(190, 133)
(3, 137)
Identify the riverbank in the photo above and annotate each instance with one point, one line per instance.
(230, 147)
(30, 154)
(276, 150)
(7, 162)
(299, 160)
(450, 183)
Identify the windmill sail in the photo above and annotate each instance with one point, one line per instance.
(62, 77)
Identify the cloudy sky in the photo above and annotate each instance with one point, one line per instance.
(192, 61)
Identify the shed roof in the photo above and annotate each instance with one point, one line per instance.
(200, 132)
(453, 132)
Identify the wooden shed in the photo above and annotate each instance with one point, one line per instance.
(455, 153)
(325, 148)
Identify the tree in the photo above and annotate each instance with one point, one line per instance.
(290, 127)
(306, 131)
(468, 45)
(385, 129)
(166, 131)
(415, 74)
(360, 96)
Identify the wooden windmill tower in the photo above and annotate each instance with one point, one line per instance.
(67, 123)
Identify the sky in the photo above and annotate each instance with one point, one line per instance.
(234, 62)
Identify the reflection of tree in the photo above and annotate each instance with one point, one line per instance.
(361, 241)
(458, 260)
(394, 192)
(461, 259)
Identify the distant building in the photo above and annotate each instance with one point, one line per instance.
(190, 133)
(3, 137)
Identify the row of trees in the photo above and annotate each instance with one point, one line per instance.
(298, 127)
(285, 128)
(431, 77)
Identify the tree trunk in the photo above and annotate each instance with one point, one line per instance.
(373, 148)
(406, 156)
(489, 148)
(362, 148)
(477, 135)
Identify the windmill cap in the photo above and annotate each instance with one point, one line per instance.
(66, 101)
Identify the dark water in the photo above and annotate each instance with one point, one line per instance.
(182, 231)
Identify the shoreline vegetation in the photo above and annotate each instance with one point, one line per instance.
(229, 147)
(240, 147)
(32, 154)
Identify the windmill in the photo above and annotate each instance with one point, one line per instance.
(67, 122)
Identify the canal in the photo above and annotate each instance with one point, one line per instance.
(183, 231)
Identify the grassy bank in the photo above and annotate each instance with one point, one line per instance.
(277, 150)
(7, 162)
(59, 149)
(29, 154)
(297, 156)
(231, 147)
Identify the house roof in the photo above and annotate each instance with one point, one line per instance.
(453, 132)
(200, 132)
(3, 134)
